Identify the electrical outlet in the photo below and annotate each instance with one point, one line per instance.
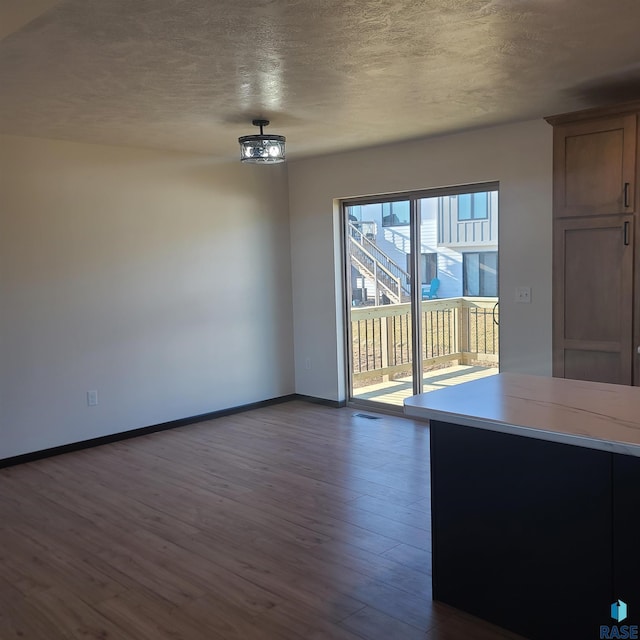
(307, 364)
(523, 295)
(92, 398)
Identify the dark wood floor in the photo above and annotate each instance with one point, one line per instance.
(295, 521)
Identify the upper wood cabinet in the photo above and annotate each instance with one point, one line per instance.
(596, 237)
(595, 167)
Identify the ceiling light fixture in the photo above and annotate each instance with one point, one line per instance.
(262, 149)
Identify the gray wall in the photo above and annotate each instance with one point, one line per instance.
(518, 156)
(165, 281)
(159, 279)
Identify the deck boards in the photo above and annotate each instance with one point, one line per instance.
(394, 392)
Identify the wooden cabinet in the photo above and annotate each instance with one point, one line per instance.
(595, 292)
(595, 167)
(593, 298)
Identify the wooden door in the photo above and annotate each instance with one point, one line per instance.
(593, 299)
(594, 167)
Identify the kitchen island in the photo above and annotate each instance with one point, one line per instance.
(535, 486)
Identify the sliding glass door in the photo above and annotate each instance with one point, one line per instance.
(379, 290)
(421, 284)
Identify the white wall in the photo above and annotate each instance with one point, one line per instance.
(159, 279)
(518, 156)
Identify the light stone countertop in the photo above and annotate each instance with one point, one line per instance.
(586, 414)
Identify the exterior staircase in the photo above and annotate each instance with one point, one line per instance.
(388, 281)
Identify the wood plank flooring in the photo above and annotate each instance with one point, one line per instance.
(289, 522)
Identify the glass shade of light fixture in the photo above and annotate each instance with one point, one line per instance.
(262, 148)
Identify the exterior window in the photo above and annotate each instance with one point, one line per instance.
(428, 267)
(395, 214)
(473, 206)
(355, 213)
(480, 274)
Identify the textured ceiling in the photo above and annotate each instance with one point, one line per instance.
(330, 74)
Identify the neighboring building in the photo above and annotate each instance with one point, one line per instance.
(458, 238)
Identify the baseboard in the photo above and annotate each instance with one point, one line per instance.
(336, 404)
(142, 431)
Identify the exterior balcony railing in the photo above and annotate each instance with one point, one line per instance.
(454, 331)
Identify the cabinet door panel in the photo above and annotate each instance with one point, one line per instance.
(594, 167)
(593, 260)
(596, 366)
(593, 298)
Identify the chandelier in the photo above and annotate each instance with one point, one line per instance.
(262, 148)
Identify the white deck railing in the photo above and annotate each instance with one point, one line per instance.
(453, 329)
